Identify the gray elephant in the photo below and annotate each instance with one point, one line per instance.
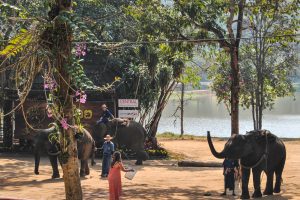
(85, 146)
(259, 151)
(131, 136)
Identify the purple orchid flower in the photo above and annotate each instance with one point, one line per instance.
(64, 123)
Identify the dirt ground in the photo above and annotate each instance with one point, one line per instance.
(154, 180)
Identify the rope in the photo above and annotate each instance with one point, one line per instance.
(264, 156)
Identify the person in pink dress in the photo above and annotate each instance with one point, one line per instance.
(114, 176)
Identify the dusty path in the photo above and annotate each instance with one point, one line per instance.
(155, 180)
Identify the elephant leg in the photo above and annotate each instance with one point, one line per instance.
(82, 168)
(278, 173)
(87, 169)
(245, 182)
(36, 162)
(269, 184)
(53, 161)
(256, 182)
(141, 154)
(93, 158)
(139, 160)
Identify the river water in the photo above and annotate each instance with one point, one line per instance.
(202, 113)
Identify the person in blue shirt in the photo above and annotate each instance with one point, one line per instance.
(230, 168)
(108, 150)
(106, 115)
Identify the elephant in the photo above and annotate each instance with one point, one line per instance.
(132, 136)
(85, 146)
(257, 150)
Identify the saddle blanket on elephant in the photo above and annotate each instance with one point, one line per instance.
(121, 122)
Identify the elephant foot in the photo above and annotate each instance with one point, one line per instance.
(36, 172)
(139, 162)
(82, 174)
(245, 196)
(277, 189)
(257, 194)
(268, 192)
(87, 172)
(93, 163)
(54, 176)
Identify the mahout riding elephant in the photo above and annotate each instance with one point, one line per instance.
(260, 151)
(131, 136)
(85, 146)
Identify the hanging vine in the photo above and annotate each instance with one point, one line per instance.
(39, 51)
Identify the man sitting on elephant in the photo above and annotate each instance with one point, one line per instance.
(107, 115)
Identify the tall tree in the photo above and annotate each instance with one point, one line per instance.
(267, 59)
(62, 51)
(45, 47)
(270, 58)
(210, 16)
(164, 61)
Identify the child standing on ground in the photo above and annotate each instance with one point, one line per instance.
(230, 168)
(114, 177)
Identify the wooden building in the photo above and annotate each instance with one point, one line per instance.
(15, 130)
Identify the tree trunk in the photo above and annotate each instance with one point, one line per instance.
(68, 142)
(234, 61)
(71, 168)
(235, 88)
(2, 79)
(7, 124)
(253, 111)
(162, 102)
(181, 109)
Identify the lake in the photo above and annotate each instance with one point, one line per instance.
(202, 113)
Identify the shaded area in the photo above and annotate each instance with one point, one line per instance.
(157, 179)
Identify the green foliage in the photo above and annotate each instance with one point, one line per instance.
(17, 44)
(80, 30)
(191, 76)
(79, 78)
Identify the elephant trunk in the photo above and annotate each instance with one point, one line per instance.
(212, 148)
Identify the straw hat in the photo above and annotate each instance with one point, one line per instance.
(108, 137)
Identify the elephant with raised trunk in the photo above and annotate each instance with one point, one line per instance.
(131, 136)
(259, 151)
(85, 146)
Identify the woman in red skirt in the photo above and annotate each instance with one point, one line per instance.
(114, 177)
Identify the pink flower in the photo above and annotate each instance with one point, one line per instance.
(82, 98)
(49, 83)
(64, 123)
(80, 50)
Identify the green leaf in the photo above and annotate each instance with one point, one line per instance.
(17, 44)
